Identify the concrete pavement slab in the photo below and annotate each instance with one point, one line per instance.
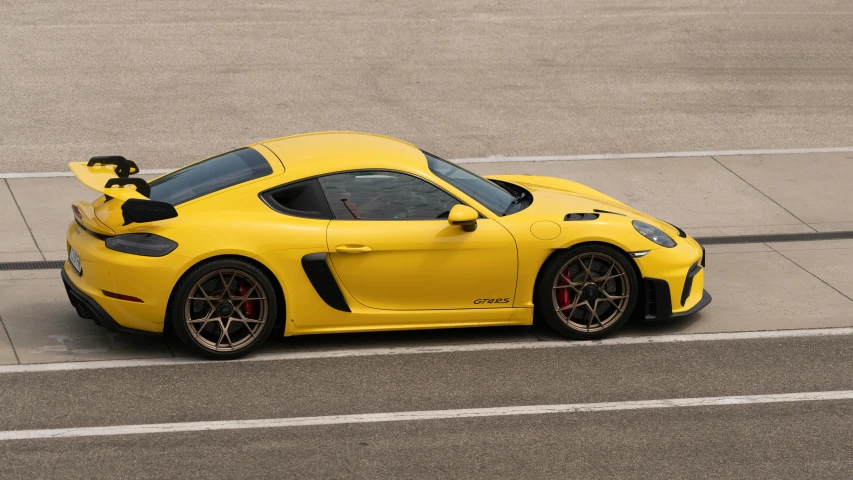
(832, 226)
(57, 255)
(48, 215)
(44, 327)
(761, 291)
(20, 257)
(833, 266)
(717, 204)
(29, 274)
(765, 291)
(813, 245)
(738, 248)
(748, 230)
(752, 288)
(7, 353)
(689, 192)
(14, 235)
(814, 187)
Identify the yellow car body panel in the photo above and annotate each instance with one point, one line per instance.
(393, 275)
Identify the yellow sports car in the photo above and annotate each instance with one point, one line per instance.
(351, 232)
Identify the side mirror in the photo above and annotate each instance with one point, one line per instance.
(463, 216)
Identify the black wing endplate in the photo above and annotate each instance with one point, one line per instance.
(124, 167)
(141, 185)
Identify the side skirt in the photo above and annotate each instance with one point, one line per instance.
(391, 320)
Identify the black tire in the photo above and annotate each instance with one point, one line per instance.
(210, 315)
(605, 295)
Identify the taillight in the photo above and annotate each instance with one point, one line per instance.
(145, 244)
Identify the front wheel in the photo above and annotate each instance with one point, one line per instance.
(224, 309)
(587, 292)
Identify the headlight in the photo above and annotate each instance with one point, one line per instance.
(654, 234)
(145, 244)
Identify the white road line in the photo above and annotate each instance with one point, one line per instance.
(546, 158)
(477, 347)
(12, 176)
(421, 415)
(619, 156)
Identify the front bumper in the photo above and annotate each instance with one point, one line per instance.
(88, 308)
(673, 280)
(659, 302)
(658, 296)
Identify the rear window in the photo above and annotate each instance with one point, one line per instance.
(209, 176)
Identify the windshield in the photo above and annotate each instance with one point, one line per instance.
(483, 191)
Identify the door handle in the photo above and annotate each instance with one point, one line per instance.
(353, 249)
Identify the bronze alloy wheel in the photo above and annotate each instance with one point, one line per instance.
(591, 292)
(226, 310)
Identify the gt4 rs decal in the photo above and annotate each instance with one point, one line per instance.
(480, 301)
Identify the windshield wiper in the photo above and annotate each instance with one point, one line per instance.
(515, 201)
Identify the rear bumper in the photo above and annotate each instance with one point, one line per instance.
(147, 278)
(88, 308)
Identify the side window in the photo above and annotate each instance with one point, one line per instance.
(300, 199)
(382, 195)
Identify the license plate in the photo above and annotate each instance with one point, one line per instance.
(74, 260)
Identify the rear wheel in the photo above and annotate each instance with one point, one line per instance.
(587, 292)
(224, 309)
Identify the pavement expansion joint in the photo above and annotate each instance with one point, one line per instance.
(712, 240)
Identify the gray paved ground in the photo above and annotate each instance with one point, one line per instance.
(398, 383)
(168, 82)
(755, 286)
(707, 196)
(793, 440)
(756, 442)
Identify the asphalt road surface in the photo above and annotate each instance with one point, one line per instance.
(165, 83)
(795, 439)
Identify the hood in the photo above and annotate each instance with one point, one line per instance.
(557, 197)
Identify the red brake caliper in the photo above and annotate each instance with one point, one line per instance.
(249, 306)
(563, 297)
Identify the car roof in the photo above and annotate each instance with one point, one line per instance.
(317, 153)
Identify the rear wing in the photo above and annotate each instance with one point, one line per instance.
(110, 175)
(105, 174)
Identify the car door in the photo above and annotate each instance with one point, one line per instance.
(392, 247)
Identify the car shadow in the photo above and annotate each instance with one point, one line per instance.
(278, 343)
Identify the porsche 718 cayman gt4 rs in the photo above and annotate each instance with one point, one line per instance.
(350, 232)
